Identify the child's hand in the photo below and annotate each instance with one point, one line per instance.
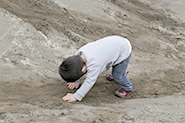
(72, 85)
(69, 98)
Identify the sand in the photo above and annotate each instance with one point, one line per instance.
(36, 35)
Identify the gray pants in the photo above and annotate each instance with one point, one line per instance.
(119, 74)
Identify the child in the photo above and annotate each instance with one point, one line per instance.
(94, 58)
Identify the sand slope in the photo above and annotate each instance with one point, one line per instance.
(36, 36)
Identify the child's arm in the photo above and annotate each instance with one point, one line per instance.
(78, 82)
(91, 77)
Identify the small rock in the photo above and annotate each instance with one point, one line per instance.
(63, 113)
(71, 18)
(156, 93)
(119, 25)
(84, 20)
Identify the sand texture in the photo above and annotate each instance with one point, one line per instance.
(36, 35)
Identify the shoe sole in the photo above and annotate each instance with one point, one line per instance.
(118, 94)
(110, 79)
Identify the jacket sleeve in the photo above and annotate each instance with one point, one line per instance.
(91, 77)
(77, 81)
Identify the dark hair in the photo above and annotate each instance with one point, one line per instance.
(71, 68)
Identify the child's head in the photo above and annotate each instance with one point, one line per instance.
(71, 68)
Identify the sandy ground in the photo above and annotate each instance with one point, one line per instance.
(36, 35)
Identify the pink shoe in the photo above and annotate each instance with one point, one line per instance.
(109, 77)
(122, 92)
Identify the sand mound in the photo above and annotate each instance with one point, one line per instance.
(37, 35)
